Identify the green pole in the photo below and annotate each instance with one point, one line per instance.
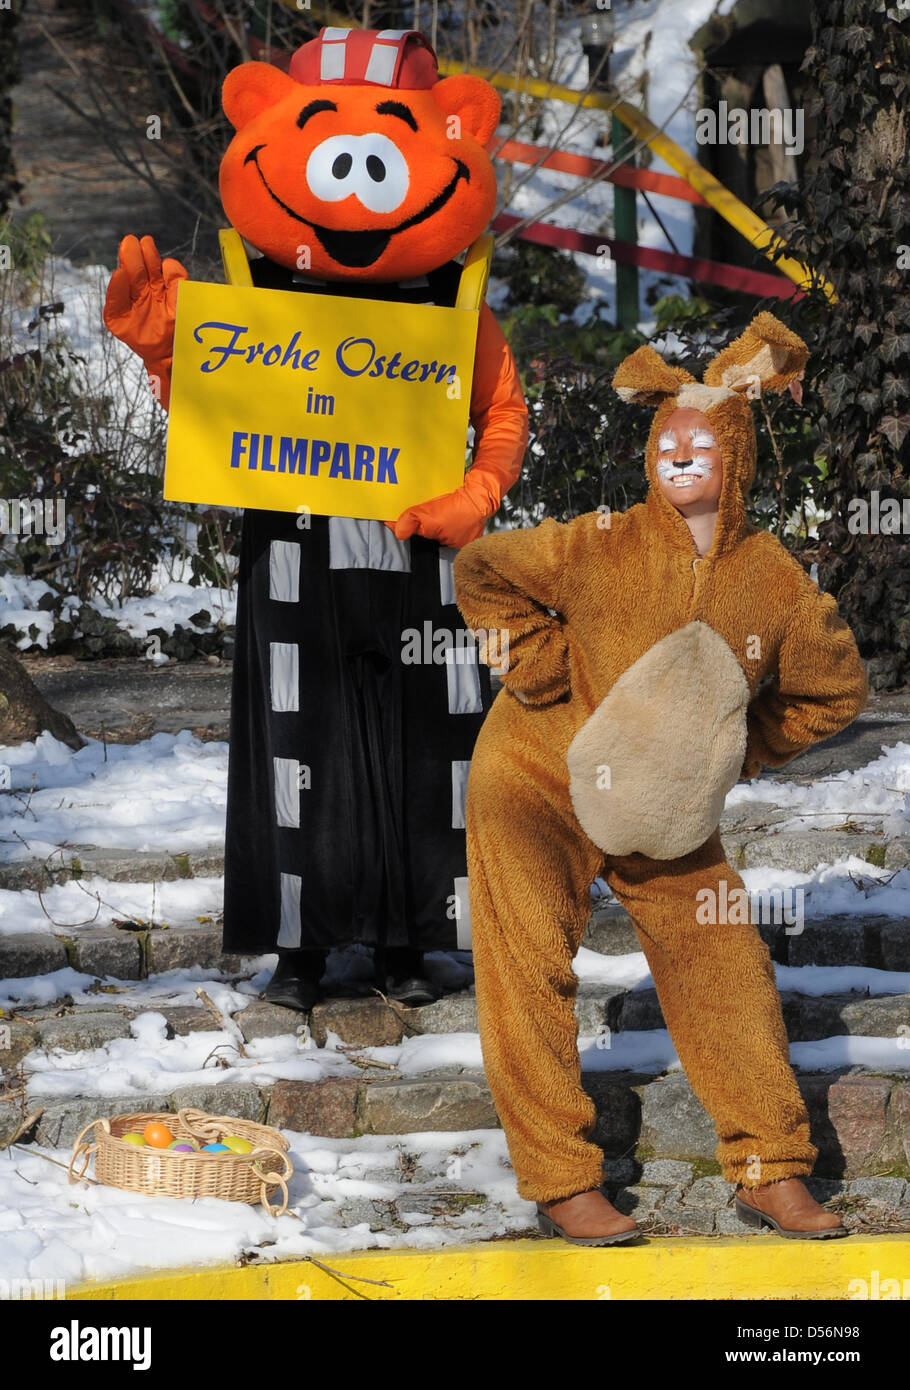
(626, 229)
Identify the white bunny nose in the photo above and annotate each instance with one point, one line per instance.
(371, 167)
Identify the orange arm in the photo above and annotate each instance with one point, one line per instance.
(500, 419)
(819, 689)
(499, 416)
(510, 583)
(141, 307)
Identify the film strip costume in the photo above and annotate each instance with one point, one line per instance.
(348, 758)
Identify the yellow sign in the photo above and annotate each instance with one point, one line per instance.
(290, 401)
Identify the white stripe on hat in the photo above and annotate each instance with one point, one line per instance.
(331, 61)
(381, 67)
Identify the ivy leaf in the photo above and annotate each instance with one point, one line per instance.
(858, 39)
(835, 391)
(894, 346)
(895, 429)
(893, 389)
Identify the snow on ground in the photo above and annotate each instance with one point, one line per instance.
(847, 887)
(99, 902)
(170, 603)
(166, 793)
(169, 987)
(878, 795)
(594, 971)
(51, 1230)
(148, 1061)
(19, 599)
(850, 887)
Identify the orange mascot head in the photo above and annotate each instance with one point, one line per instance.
(359, 163)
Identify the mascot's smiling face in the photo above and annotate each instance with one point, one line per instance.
(351, 179)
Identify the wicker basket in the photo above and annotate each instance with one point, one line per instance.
(251, 1177)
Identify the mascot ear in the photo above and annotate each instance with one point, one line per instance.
(644, 378)
(251, 89)
(767, 354)
(472, 100)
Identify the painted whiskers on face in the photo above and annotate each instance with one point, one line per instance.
(685, 474)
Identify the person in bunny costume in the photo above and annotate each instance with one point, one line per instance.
(654, 657)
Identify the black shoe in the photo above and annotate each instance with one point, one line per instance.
(295, 983)
(414, 990)
(406, 977)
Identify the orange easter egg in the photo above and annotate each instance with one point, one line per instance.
(157, 1135)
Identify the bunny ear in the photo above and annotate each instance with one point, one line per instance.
(767, 356)
(644, 378)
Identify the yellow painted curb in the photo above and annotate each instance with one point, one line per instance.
(733, 1267)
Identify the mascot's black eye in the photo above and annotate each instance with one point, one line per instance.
(342, 166)
(375, 168)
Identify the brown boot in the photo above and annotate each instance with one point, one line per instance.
(789, 1209)
(586, 1218)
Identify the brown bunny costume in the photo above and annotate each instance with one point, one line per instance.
(641, 681)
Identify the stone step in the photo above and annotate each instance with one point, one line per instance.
(117, 865)
(860, 1120)
(882, 943)
(603, 1012)
(667, 1197)
(749, 833)
(120, 952)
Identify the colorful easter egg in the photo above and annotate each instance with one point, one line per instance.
(136, 1139)
(215, 1149)
(157, 1135)
(180, 1147)
(237, 1144)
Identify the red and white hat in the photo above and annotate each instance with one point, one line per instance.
(402, 58)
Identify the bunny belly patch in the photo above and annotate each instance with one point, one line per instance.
(651, 767)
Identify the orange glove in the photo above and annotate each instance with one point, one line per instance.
(141, 307)
(452, 519)
(500, 419)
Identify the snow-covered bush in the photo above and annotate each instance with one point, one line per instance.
(83, 524)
